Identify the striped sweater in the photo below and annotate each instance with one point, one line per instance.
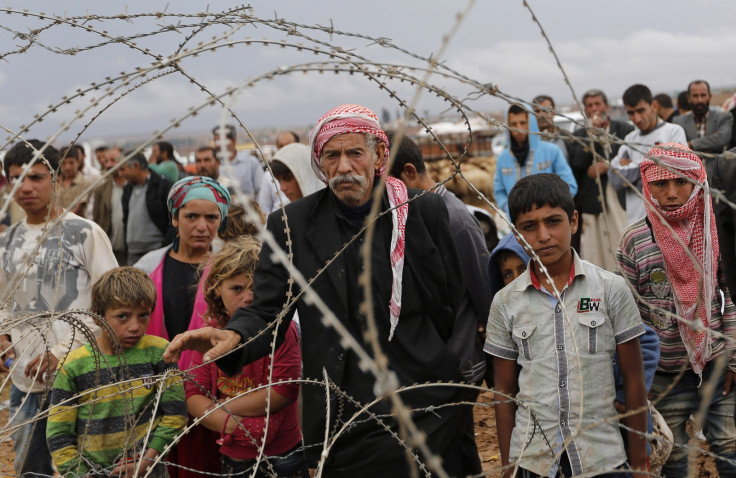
(104, 407)
(641, 263)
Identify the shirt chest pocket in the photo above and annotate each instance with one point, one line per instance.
(523, 338)
(594, 336)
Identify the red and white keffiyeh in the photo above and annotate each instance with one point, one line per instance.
(359, 119)
(694, 284)
(730, 103)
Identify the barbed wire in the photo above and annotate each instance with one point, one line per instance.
(342, 60)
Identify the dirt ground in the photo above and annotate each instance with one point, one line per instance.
(6, 446)
(485, 436)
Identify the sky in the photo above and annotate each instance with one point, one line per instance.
(606, 45)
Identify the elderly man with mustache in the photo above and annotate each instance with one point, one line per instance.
(416, 285)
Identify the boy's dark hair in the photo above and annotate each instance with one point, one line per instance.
(407, 152)
(21, 153)
(683, 104)
(122, 287)
(166, 146)
(101, 149)
(664, 100)
(517, 109)
(636, 93)
(138, 158)
(538, 190)
(503, 255)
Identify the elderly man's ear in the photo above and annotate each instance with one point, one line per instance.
(380, 152)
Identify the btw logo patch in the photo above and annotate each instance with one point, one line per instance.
(587, 304)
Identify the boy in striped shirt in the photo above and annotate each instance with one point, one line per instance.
(115, 407)
(670, 259)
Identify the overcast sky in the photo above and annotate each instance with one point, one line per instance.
(607, 45)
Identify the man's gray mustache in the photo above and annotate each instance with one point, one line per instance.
(337, 180)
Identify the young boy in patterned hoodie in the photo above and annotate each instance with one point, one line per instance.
(114, 406)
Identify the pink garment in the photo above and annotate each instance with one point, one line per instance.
(197, 449)
(157, 325)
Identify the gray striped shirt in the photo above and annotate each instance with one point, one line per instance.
(565, 350)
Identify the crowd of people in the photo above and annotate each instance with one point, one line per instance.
(612, 288)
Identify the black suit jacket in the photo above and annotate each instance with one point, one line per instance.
(418, 352)
(156, 195)
(723, 177)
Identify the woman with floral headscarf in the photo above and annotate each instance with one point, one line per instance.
(198, 207)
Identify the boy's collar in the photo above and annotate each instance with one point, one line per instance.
(531, 279)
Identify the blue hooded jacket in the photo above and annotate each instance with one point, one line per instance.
(507, 243)
(543, 157)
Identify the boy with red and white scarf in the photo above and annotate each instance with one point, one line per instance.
(671, 261)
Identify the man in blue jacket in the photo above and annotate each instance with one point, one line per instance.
(527, 154)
